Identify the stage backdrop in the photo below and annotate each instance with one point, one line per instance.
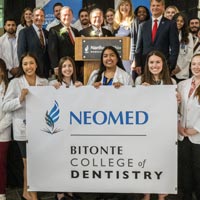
(102, 140)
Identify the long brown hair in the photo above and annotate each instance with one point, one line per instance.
(5, 73)
(60, 64)
(164, 74)
(197, 92)
(23, 21)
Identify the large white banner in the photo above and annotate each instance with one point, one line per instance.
(102, 140)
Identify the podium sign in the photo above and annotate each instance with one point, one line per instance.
(92, 49)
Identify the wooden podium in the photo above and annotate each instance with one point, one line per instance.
(88, 49)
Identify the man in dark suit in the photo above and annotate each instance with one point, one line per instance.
(95, 30)
(33, 39)
(163, 38)
(61, 40)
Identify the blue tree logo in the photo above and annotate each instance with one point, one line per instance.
(51, 118)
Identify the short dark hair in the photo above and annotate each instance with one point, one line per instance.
(191, 18)
(10, 19)
(57, 4)
(82, 10)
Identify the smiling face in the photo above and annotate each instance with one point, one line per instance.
(195, 66)
(109, 59)
(38, 18)
(96, 18)
(180, 22)
(109, 17)
(84, 18)
(10, 27)
(169, 13)
(28, 16)
(67, 69)
(125, 9)
(56, 11)
(155, 65)
(194, 25)
(157, 8)
(29, 66)
(66, 16)
(142, 14)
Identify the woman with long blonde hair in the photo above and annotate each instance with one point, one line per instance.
(125, 26)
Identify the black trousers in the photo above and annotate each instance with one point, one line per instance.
(189, 168)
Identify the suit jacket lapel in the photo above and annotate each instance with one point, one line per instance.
(160, 27)
(37, 38)
(35, 35)
(149, 30)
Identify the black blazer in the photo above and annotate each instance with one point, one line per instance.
(88, 32)
(166, 41)
(28, 41)
(60, 44)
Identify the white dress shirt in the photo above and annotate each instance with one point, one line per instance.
(8, 52)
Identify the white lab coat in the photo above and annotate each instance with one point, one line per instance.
(119, 76)
(189, 111)
(6, 52)
(11, 103)
(5, 119)
(184, 58)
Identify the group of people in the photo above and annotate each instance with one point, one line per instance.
(164, 50)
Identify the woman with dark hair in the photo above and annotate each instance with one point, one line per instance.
(66, 74)
(67, 77)
(111, 71)
(26, 19)
(142, 14)
(14, 101)
(181, 71)
(189, 133)
(156, 72)
(5, 131)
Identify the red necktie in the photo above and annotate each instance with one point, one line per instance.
(154, 30)
(70, 36)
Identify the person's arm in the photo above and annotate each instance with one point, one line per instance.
(11, 101)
